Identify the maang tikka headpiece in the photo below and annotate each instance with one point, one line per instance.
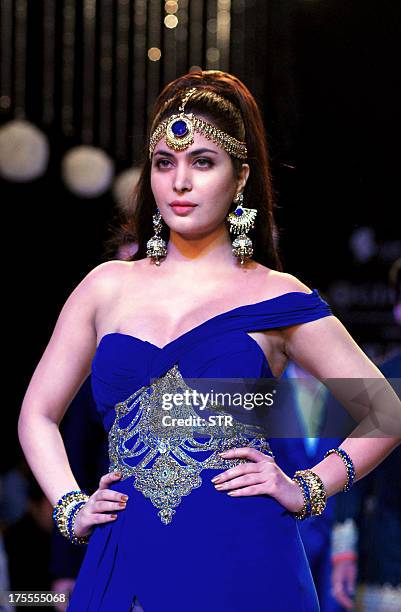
(179, 129)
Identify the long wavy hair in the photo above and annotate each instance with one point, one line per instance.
(235, 111)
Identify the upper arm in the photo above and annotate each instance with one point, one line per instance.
(326, 350)
(66, 361)
(323, 347)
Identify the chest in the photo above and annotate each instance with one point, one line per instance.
(166, 320)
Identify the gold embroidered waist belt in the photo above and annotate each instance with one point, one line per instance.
(163, 464)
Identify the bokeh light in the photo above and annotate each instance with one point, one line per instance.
(212, 55)
(170, 21)
(171, 6)
(154, 54)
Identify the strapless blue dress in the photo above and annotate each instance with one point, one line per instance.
(180, 545)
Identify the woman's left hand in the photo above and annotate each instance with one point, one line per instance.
(262, 476)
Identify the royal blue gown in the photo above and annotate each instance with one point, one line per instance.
(180, 545)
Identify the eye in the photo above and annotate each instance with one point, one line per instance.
(205, 162)
(161, 163)
(202, 162)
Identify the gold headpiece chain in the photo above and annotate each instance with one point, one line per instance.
(179, 129)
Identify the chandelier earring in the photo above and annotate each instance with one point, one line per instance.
(156, 246)
(241, 220)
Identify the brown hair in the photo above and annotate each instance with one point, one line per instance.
(233, 110)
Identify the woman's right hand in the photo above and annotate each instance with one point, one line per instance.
(93, 512)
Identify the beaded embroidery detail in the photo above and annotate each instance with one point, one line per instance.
(166, 471)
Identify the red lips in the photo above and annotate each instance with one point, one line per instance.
(182, 203)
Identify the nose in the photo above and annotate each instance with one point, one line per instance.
(182, 179)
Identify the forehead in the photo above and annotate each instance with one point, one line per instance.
(200, 142)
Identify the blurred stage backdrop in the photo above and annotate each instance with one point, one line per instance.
(77, 81)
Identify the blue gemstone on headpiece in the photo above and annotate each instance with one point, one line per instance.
(179, 128)
(238, 212)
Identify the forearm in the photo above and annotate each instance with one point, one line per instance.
(366, 454)
(374, 403)
(45, 453)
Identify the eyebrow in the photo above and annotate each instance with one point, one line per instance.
(190, 154)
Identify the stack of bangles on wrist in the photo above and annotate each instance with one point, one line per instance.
(65, 513)
(312, 487)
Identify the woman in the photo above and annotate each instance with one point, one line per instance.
(192, 305)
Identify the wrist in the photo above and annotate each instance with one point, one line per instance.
(314, 493)
(65, 513)
(298, 498)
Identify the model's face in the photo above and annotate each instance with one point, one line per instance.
(202, 175)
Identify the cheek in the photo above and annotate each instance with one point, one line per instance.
(221, 190)
(157, 185)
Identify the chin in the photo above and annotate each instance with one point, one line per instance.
(189, 229)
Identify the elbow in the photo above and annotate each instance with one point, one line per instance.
(29, 421)
(22, 426)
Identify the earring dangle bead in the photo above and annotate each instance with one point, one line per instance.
(156, 247)
(241, 220)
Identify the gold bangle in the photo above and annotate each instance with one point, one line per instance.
(305, 511)
(318, 493)
(64, 509)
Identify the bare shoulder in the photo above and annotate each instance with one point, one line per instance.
(94, 290)
(105, 279)
(278, 283)
(323, 346)
(107, 273)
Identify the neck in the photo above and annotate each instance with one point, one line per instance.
(208, 252)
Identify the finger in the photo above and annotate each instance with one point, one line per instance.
(246, 453)
(108, 506)
(101, 517)
(238, 470)
(109, 495)
(108, 478)
(88, 519)
(241, 481)
(255, 489)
